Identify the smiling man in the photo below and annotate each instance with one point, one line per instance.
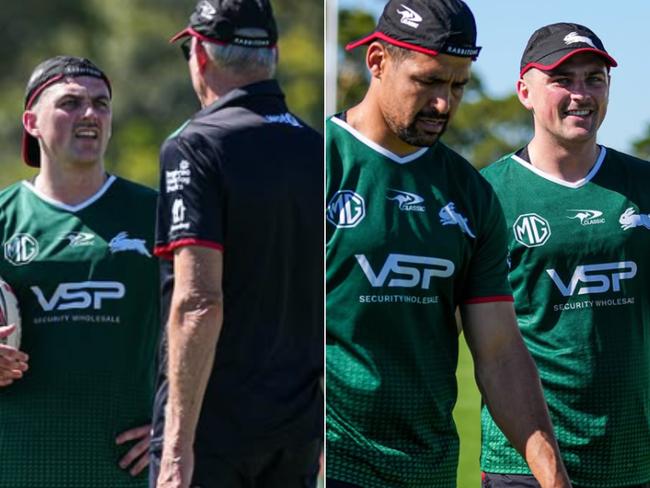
(413, 233)
(577, 214)
(75, 401)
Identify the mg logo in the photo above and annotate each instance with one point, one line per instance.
(600, 278)
(21, 249)
(531, 230)
(419, 273)
(346, 209)
(79, 296)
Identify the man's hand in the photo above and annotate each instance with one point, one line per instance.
(13, 363)
(138, 456)
(176, 471)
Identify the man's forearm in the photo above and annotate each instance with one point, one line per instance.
(512, 391)
(193, 331)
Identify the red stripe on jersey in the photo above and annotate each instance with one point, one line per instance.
(167, 251)
(496, 298)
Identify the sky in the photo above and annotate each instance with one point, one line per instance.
(504, 27)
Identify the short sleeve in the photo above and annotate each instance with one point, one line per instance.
(191, 200)
(487, 279)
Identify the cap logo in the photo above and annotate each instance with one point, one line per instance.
(409, 17)
(206, 10)
(573, 37)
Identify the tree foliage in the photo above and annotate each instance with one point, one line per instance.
(152, 91)
(642, 145)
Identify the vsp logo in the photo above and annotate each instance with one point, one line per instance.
(420, 272)
(592, 274)
(531, 230)
(21, 249)
(80, 296)
(346, 209)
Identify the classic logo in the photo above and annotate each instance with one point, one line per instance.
(601, 277)
(80, 296)
(346, 209)
(409, 17)
(80, 239)
(177, 179)
(121, 242)
(587, 217)
(630, 219)
(407, 276)
(449, 216)
(408, 202)
(21, 249)
(574, 37)
(531, 230)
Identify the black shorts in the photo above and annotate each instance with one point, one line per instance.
(492, 480)
(289, 467)
(330, 483)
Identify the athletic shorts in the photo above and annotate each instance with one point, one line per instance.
(492, 480)
(289, 467)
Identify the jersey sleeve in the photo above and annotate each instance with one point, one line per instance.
(191, 201)
(487, 279)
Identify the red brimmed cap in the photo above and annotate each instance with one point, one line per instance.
(219, 21)
(553, 44)
(428, 26)
(47, 74)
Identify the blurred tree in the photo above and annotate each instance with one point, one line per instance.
(153, 95)
(486, 128)
(483, 129)
(641, 146)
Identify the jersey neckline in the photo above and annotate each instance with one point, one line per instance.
(72, 208)
(575, 184)
(376, 147)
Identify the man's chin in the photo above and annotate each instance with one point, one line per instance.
(421, 140)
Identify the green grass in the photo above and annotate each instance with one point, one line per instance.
(468, 420)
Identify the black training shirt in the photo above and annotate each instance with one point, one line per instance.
(244, 176)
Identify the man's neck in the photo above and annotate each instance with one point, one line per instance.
(367, 118)
(568, 162)
(70, 185)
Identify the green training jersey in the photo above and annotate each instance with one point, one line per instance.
(580, 271)
(409, 239)
(87, 286)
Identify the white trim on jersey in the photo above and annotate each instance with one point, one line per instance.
(71, 208)
(376, 147)
(568, 184)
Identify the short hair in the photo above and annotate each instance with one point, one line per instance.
(259, 61)
(398, 54)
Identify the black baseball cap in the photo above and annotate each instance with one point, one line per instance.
(428, 26)
(553, 44)
(217, 21)
(46, 74)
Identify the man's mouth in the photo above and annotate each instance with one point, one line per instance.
(87, 132)
(578, 113)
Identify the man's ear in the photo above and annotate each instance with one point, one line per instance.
(30, 122)
(523, 93)
(201, 55)
(376, 59)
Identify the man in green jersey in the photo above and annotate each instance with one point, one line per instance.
(413, 233)
(579, 232)
(77, 250)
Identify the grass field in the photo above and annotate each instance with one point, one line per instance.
(468, 420)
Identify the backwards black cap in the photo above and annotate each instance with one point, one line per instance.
(218, 21)
(553, 44)
(428, 26)
(44, 75)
